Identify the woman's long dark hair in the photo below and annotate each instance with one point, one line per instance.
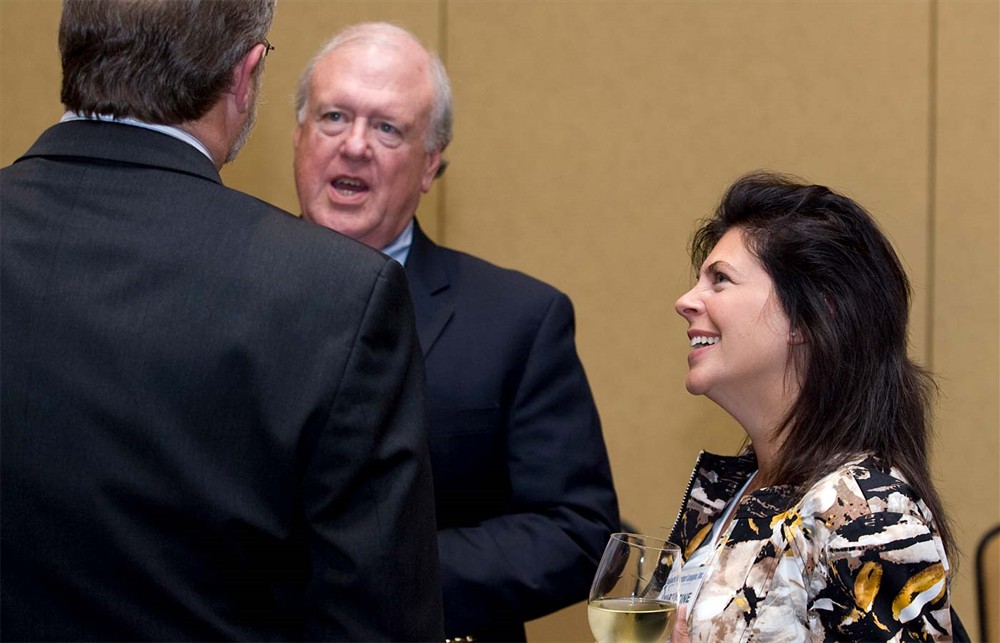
(847, 297)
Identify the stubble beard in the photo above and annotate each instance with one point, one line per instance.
(248, 124)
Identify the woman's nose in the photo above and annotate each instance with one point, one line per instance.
(687, 304)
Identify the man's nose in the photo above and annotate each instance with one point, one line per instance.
(356, 144)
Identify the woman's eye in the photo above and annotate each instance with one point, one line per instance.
(721, 277)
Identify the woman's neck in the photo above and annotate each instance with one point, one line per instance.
(762, 418)
(762, 411)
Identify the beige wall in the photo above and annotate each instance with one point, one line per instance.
(591, 134)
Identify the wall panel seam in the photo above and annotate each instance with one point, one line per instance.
(932, 133)
(442, 182)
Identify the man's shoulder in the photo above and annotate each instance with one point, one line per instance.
(271, 225)
(470, 271)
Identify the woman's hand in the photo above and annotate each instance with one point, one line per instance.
(681, 628)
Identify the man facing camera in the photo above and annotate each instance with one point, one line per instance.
(213, 413)
(523, 489)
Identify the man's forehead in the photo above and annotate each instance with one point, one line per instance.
(356, 72)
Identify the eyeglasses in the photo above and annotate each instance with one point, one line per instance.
(268, 47)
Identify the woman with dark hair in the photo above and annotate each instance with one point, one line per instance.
(827, 527)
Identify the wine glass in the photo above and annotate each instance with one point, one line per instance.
(635, 591)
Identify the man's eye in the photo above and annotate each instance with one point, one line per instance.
(386, 128)
(335, 117)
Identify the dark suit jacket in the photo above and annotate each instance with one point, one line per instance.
(525, 501)
(213, 424)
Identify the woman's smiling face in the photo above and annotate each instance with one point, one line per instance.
(738, 331)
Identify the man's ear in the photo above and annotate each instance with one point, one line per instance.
(242, 85)
(430, 170)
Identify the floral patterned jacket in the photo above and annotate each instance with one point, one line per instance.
(858, 557)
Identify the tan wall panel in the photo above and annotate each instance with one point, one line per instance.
(29, 73)
(966, 312)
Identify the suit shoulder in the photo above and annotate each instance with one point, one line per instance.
(470, 271)
(288, 261)
(310, 242)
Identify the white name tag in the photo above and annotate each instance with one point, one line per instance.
(690, 581)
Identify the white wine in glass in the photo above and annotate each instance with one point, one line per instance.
(634, 594)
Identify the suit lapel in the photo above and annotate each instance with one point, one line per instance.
(430, 288)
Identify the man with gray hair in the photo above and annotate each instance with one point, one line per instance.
(213, 412)
(523, 489)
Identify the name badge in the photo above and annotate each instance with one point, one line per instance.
(690, 581)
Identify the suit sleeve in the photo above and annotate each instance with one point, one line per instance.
(541, 555)
(368, 490)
